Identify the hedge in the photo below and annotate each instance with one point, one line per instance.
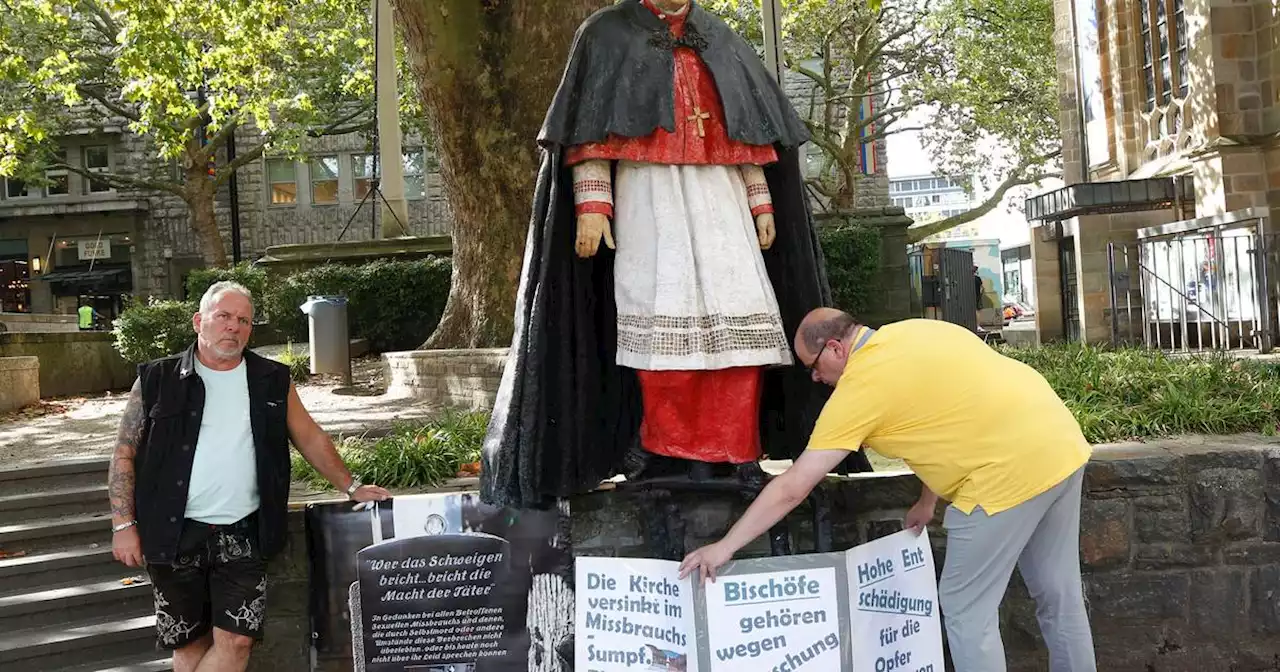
(158, 328)
(853, 266)
(254, 278)
(394, 304)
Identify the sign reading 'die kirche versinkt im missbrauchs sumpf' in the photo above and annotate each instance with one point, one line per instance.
(870, 609)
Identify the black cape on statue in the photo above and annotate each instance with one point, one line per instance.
(566, 413)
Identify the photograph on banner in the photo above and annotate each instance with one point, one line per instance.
(633, 614)
(440, 582)
(783, 614)
(894, 604)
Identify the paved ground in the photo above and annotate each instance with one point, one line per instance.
(86, 427)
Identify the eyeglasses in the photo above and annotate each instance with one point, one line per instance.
(814, 363)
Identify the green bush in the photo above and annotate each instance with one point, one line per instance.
(254, 278)
(158, 328)
(853, 266)
(299, 363)
(394, 304)
(410, 456)
(1137, 393)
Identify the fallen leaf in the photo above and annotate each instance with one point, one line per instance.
(12, 554)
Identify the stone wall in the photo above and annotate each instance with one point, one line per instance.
(872, 187)
(72, 363)
(19, 382)
(1180, 545)
(286, 644)
(14, 322)
(454, 378)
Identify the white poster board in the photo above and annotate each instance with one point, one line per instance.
(633, 614)
(872, 608)
(894, 607)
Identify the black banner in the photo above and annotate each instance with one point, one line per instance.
(441, 583)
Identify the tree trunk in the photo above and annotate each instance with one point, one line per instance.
(200, 193)
(487, 72)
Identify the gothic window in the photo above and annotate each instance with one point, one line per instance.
(1163, 24)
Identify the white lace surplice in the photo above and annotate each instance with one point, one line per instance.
(690, 283)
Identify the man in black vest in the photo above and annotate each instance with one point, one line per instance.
(199, 483)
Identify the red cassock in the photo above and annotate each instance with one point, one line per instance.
(703, 415)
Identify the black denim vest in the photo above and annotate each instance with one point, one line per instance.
(173, 404)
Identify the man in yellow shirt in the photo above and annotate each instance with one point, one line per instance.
(981, 431)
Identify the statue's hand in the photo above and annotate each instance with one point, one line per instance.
(591, 227)
(764, 229)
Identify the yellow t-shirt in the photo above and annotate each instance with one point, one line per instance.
(977, 427)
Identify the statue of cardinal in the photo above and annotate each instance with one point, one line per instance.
(670, 255)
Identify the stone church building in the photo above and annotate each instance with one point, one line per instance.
(1170, 121)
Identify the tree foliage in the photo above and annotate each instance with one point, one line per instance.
(185, 74)
(981, 74)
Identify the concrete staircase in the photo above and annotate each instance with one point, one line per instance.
(66, 605)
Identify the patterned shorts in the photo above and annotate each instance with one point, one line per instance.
(219, 579)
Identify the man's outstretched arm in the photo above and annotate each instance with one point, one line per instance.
(777, 499)
(317, 448)
(126, 545)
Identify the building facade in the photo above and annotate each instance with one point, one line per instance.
(927, 198)
(80, 241)
(1170, 112)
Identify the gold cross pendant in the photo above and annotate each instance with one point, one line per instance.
(698, 116)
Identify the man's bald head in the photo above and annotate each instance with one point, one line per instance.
(822, 325)
(823, 330)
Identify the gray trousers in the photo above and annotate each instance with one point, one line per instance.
(1041, 536)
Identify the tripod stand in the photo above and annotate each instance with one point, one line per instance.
(374, 188)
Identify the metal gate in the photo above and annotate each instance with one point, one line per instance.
(1070, 300)
(958, 291)
(1203, 284)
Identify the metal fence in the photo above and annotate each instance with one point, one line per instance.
(1203, 284)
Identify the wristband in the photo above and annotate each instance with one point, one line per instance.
(123, 526)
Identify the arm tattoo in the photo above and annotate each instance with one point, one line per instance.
(120, 481)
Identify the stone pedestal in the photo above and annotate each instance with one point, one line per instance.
(465, 379)
(19, 382)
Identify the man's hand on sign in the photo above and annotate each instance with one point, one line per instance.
(921, 514)
(706, 560)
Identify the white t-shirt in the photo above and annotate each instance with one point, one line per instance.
(224, 475)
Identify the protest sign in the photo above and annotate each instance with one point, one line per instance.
(379, 602)
(431, 601)
(895, 605)
(633, 614)
(870, 609)
(783, 621)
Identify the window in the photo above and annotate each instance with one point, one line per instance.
(16, 188)
(414, 174)
(59, 184)
(282, 181)
(1180, 34)
(1164, 70)
(97, 159)
(324, 180)
(362, 174)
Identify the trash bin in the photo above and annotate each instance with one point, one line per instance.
(330, 344)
